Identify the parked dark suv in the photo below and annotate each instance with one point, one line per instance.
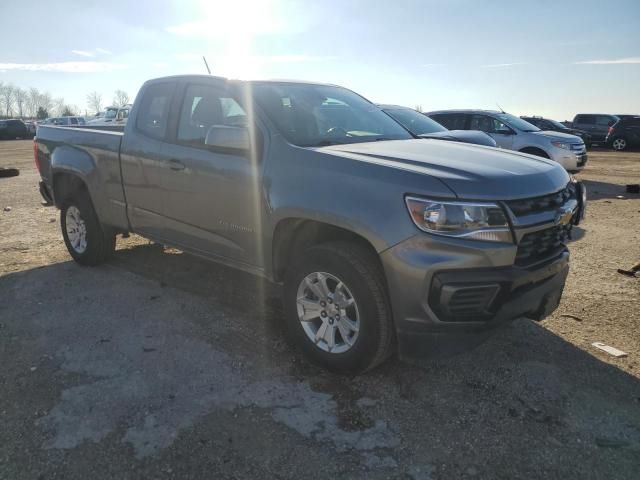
(624, 134)
(12, 129)
(596, 124)
(549, 125)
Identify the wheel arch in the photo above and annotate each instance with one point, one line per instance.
(532, 150)
(294, 235)
(65, 184)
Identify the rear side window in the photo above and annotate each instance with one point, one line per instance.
(153, 114)
(586, 119)
(452, 121)
(74, 121)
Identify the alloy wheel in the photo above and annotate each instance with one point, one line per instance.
(328, 312)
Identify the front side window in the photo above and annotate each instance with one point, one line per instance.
(205, 106)
(153, 114)
(74, 121)
(486, 124)
(604, 121)
(515, 122)
(318, 115)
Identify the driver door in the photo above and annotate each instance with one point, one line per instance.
(211, 198)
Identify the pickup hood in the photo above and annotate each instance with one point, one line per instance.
(470, 171)
(558, 136)
(466, 136)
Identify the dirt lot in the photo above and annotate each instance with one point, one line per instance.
(159, 365)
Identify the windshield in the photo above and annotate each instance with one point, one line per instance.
(414, 121)
(110, 113)
(517, 123)
(557, 124)
(319, 115)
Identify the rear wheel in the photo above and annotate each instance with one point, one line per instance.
(337, 309)
(619, 144)
(88, 241)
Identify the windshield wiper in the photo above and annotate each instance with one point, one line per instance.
(324, 143)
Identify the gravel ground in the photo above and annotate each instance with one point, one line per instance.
(159, 365)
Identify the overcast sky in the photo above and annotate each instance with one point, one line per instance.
(544, 57)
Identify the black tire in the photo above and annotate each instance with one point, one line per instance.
(619, 144)
(361, 272)
(100, 239)
(9, 172)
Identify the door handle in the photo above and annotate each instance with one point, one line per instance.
(176, 165)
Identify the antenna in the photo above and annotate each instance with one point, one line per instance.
(206, 65)
(499, 107)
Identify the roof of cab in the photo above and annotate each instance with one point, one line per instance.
(214, 77)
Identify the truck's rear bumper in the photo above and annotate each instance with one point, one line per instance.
(450, 303)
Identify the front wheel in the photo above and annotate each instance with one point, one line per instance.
(337, 309)
(619, 144)
(88, 242)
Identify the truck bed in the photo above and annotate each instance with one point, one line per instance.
(79, 148)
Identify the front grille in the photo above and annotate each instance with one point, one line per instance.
(542, 244)
(578, 148)
(545, 203)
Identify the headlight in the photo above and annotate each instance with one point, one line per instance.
(564, 145)
(479, 221)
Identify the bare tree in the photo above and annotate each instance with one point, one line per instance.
(58, 106)
(33, 101)
(46, 102)
(121, 98)
(20, 100)
(94, 101)
(8, 98)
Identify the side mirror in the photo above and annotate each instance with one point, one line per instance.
(228, 138)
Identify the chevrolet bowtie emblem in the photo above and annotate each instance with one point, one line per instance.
(563, 216)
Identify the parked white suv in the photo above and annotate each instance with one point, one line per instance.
(112, 115)
(513, 133)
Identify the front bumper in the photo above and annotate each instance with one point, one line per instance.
(446, 292)
(572, 161)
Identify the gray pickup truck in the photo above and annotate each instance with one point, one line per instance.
(380, 241)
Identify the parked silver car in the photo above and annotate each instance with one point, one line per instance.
(513, 133)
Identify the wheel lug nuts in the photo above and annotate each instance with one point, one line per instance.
(323, 313)
(323, 304)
